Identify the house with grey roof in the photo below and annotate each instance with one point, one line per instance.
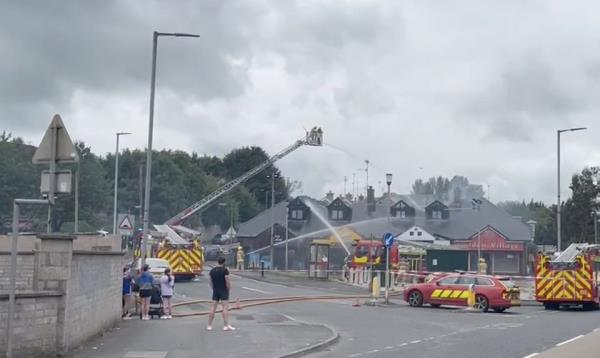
(477, 227)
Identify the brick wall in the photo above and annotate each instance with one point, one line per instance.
(35, 324)
(94, 294)
(25, 265)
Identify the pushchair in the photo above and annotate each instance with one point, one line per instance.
(156, 302)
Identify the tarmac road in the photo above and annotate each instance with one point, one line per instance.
(381, 331)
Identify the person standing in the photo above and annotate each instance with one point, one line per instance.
(127, 292)
(240, 258)
(145, 280)
(167, 285)
(221, 286)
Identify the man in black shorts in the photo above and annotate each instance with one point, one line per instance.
(219, 282)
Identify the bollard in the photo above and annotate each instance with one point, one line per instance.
(262, 269)
(471, 298)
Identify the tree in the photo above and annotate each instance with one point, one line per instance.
(577, 219)
(545, 232)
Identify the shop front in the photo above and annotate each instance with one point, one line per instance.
(501, 255)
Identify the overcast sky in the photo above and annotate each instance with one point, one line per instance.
(420, 88)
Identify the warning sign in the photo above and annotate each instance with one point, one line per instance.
(126, 224)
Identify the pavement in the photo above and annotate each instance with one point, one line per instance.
(392, 330)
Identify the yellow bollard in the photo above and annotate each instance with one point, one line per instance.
(471, 298)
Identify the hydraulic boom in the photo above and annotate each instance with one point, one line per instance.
(312, 138)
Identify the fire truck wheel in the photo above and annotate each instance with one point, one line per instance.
(551, 306)
(415, 299)
(590, 306)
(481, 303)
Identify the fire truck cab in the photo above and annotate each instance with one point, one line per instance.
(569, 279)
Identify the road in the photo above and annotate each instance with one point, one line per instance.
(381, 331)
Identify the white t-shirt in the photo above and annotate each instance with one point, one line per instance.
(166, 287)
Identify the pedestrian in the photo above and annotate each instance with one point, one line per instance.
(221, 286)
(127, 291)
(240, 258)
(145, 280)
(167, 285)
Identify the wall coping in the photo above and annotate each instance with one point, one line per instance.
(31, 294)
(18, 253)
(56, 237)
(100, 253)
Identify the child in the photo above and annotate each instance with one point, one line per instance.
(127, 292)
(167, 283)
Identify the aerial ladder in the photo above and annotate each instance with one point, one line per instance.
(312, 138)
(186, 257)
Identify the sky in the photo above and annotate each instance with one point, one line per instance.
(419, 88)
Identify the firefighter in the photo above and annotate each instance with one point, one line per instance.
(482, 266)
(240, 259)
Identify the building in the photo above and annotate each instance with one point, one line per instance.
(478, 228)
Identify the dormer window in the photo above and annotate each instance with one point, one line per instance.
(297, 214)
(402, 210)
(340, 209)
(437, 211)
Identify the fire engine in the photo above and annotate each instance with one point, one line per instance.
(402, 257)
(569, 279)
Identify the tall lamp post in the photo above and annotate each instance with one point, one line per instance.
(388, 180)
(272, 248)
(155, 37)
(117, 181)
(558, 204)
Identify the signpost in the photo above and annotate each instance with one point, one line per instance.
(126, 224)
(388, 240)
(56, 148)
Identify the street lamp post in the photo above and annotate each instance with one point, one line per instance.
(558, 204)
(388, 179)
(116, 181)
(155, 37)
(287, 236)
(272, 248)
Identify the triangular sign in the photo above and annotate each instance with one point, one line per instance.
(126, 224)
(65, 150)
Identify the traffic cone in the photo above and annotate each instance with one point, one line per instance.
(356, 303)
(237, 305)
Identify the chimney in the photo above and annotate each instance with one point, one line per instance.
(329, 195)
(370, 200)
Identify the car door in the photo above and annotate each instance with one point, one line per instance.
(461, 295)
(443, 290)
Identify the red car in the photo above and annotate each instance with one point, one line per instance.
(491, 292)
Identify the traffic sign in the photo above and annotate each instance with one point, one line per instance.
(57, 135)
(126, 224)
(388, 239)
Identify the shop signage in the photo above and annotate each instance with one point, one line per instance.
(490, 241)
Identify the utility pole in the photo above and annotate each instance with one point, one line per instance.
(115, 206)
(345, 181)
(141, 192)
(367, 171)
(272, 250)
(76, 225)
(354, 186)
(287, 236)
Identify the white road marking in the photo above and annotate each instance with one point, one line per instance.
(288, 317)
(569, 340)
(355, 355)
(402, 345)
(256, 290)
(417, 341)
(531, 355)
(388, 347)
(373, 351)
(145, 354)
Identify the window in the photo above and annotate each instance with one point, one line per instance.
(297, 214)
(447, 281)
(482, 281)
(419, 233)
(402, 213)
(337, 214)
(436, 214)
(412, 233)
(466, 280)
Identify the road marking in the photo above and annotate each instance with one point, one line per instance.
(388, 347)
(145, 354)
(355, 355)
(373, 351)
(256, 290)
(402, 345)
(288, 317)
(531, 355)
(569, 340)
(417, 341)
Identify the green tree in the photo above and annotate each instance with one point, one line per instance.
(577, 219)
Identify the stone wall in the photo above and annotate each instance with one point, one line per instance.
(25, 271)
(34, 332)
(94, 294)
(64, 297)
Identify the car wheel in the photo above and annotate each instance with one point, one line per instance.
(500, 310)
(481, 303)
(415, 299)
(590, 306)
(551, 306)
(435, 305)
